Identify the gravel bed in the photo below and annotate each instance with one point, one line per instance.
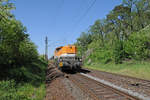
(76, 92)
(57, 91)
(58, 87)
(132, 84)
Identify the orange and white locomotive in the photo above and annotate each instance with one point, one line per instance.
(66, 57)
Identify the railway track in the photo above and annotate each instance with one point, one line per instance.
(133, 80)
(140, 86)
(97, 90)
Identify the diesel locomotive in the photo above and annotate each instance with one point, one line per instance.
(65, 58)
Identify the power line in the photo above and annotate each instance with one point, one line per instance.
(79, 8)
(84, 15)
(86, 12)
(60, 6)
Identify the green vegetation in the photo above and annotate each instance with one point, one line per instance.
(122, 36)
(22, 70)
(131, 68)
(10, 91)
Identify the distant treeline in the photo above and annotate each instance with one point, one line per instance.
(19, 59)
(123, 35)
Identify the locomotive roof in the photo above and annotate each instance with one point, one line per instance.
(63, 46)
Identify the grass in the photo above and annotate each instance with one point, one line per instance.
(9, 90)
(36, 93)
(134, 69)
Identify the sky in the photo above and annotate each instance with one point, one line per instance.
(62, 21)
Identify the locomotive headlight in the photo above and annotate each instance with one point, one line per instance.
(60, 60)
(80, 59)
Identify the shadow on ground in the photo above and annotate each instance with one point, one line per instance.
(76, 71)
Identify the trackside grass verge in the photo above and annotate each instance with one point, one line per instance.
(9, 90)
(134, 69)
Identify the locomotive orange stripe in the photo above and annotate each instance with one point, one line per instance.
(69, 49)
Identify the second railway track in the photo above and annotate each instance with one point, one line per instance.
(125, 79)
(97, 90)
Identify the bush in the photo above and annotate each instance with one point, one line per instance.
(8, 91)
(118, 52)
(100, 54)
(137, 46)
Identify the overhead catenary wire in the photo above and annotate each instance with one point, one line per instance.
(83, 16)
(56, 15)
(92, 3)
(60, 6)
(86, 12)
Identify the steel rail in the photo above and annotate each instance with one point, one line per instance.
(101, 92)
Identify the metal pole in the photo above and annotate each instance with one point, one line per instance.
(46, 48)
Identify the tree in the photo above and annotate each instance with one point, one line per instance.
(18, 55)
(113, 35)
(97, 31)
(83, 42)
